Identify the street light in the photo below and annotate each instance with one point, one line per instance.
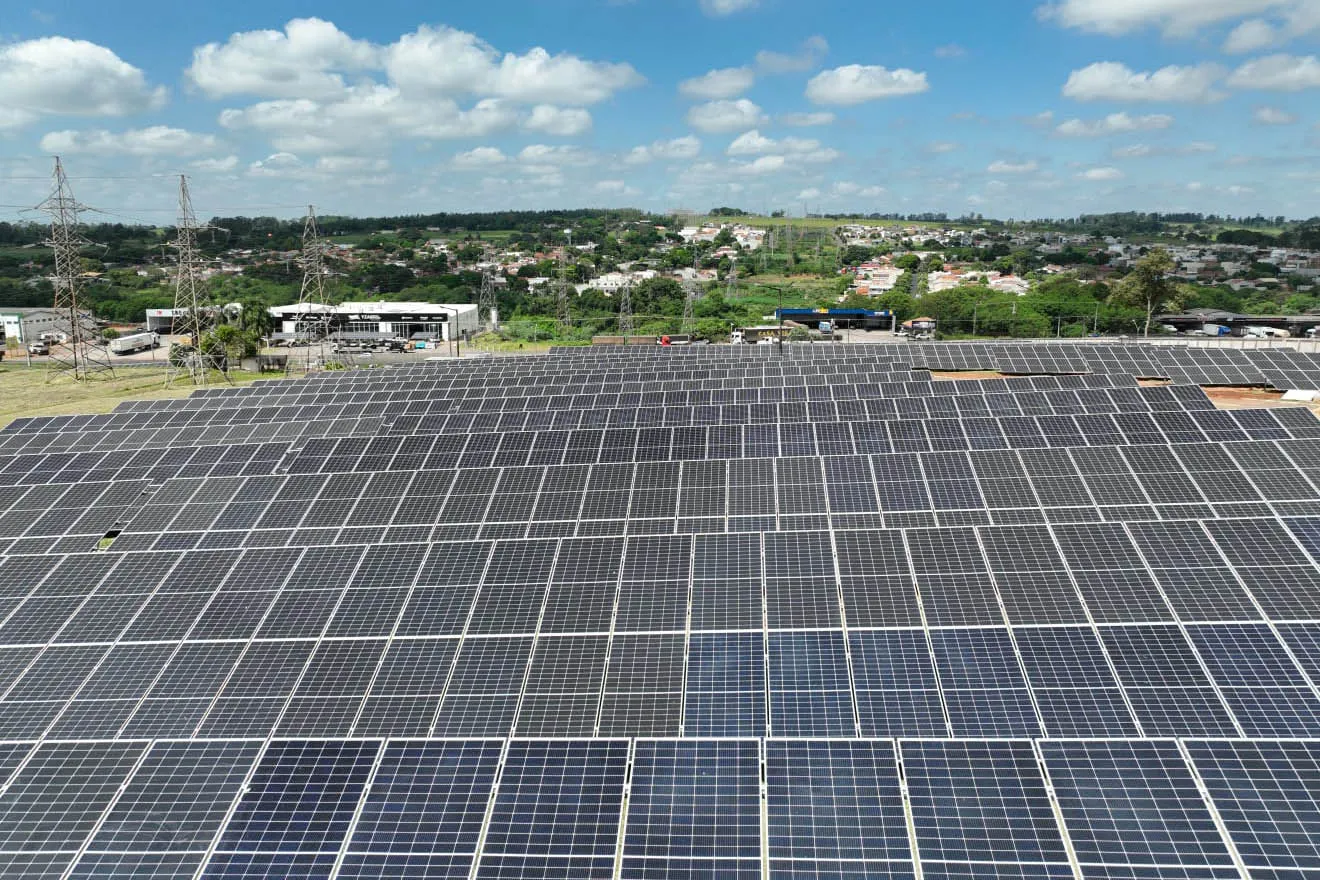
(779, 313)
(450, 328)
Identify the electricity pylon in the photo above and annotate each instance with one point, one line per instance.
(625, 311)
(561, 294)
(193, 314)
(731, 288)
(487, 305)
(314, 309)
(81, 352)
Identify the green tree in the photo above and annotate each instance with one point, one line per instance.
(109, 333)
(908, 262)
(1148, 286)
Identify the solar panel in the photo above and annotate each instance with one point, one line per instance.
(714, 612)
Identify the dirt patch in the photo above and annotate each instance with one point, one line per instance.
(952, 375)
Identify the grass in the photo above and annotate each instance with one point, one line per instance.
(24, 391)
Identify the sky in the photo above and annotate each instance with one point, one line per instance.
(1010, 109)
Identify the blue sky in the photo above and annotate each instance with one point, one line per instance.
(1010, 109)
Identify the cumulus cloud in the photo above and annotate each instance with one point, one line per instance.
(1114, 123)
(441, 60)
(1278, 73)
(1249, 36)
(1111, 81)
(1105, 173)
(559, 121)
(1174, 17)
(726, 116)
(351, 165)
(721, 8)
(806, 120)
(679, 148)
(1297, 20)
(762, 165)
(543, 154)
(367, 117)
(813, 51)
(729, 82)
(158, 140)
(299, 62)
(857, 83)
(57, 76)
(1002, 167)
(808, 150)
(479, 158)
(1273, 116)
(1142, 151)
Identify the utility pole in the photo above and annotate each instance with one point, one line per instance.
(193, 314)
(625, 312)
(82, 351)
(561, 297)
(314, 309)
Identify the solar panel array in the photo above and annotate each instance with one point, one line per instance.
(638, 613)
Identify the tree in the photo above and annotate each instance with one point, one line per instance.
(1148, 286)
(908, 262)
(109, 333)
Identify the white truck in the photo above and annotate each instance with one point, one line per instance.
(134, 342)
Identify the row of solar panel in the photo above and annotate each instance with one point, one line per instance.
(373, 405)
(1034, 574)
(82, 440)
(1154, 680)
(571, 810)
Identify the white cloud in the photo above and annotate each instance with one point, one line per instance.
(1114, 123)
(542, 154)
(282, 164)
(558, 121)
(1279, 73)
(952, 50)
(679, 148)
(56, 76)
(939, 147)
(806, 120)
(479, 157)
(1106, 173)
(753, 143)
(368, 117)
(216, 166)
(1174, 17)
(857, 83)
(1249, 36)
(299, 62)
(351, 165)
(158, 140)
(1297, 20)
(441, 60)
(808, 194)
(1142, 151)
(729, 82)
(1002, 167)
(615, 188)
(1273, 116)
(813, 51)
(762, 165)
(726, 116)
(1111, 81)
(1043, 119)
(721, 8)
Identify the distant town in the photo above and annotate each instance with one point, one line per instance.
(561, 276)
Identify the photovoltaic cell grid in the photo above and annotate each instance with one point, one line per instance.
(429, 650)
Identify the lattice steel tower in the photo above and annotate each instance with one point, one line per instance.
(561, 294)
(691, 294)
(487, 306)
(82, 352)
(193, 314)
(625, 311)
(314, 309)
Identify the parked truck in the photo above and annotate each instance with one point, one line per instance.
(134, 342)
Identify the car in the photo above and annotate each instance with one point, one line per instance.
(38, 348)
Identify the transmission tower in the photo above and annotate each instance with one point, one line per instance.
(314, 309)
(81, 352)
(692, 294)
(561, 293)
(731, 288)
(487, 304)
(193, 316)
(625, 311)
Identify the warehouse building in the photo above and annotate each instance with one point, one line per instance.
(381, 320)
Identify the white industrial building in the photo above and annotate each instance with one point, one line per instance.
(28, 325)
(383, 320)
(399, 320)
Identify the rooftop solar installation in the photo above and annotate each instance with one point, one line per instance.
(717, 612)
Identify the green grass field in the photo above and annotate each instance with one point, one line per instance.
(24, 391)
